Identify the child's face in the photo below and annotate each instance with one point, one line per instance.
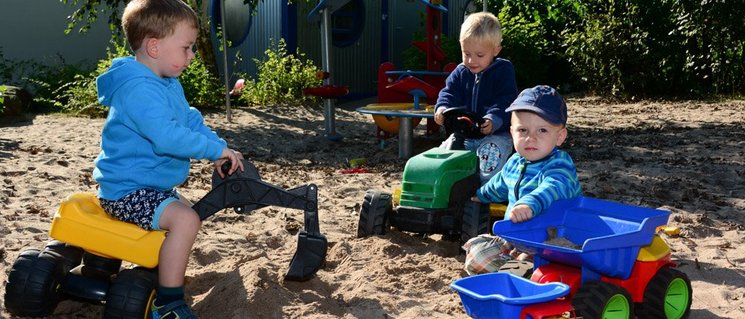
(533, 137)
(175, 51)
(477, 55)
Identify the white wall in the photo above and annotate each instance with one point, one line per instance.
(34, 30)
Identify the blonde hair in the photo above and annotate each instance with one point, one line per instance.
(481, 27)
(154, 19)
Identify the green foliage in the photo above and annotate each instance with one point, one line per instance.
(415, 59)
(43, 81)
(71, 91)
(711, 35)
(532, 38)
(201, 88)
(2, 98)
(622, 49)
(79, 96)
(281, 78)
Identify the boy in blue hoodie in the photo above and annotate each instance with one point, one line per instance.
(149, 137)
(538, 174)
(484, 85)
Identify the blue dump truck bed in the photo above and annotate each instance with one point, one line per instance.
(608, 234)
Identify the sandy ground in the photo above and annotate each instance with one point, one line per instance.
(687, 157)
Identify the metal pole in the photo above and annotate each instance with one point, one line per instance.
(405, 137)
(225, 61)
(328, 103)
(484, 1)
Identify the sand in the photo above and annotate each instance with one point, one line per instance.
(687, 157)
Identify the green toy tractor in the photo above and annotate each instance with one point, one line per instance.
(435, 191)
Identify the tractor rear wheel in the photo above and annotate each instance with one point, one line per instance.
(376, 207)
(667, 296)
(131, 294)
(601, 300)
(33, 286)
(475, 221)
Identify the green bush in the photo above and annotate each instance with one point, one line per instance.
(201, 88)
(2, 98)
(80, 97)
(281, 78)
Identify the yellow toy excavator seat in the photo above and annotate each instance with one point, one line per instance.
(80, 221)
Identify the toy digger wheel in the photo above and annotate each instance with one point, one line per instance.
(71, 255)
(33, 287)
(601, 300)
(376, 207)
(667, 296)
(475, 221)
(131, 294)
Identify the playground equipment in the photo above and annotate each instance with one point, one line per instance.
(622, 268)
(435, 191)
(322, 12)
(405, 96)
(39, 279)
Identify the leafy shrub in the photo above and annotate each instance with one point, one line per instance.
(621, 48)
(281, 78)
(80, 97)
(2, 98)
(416, 59)
(711, 34)
(201, 88)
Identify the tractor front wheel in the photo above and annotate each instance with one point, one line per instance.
(667, 296)
(376, 207)
(601, 300)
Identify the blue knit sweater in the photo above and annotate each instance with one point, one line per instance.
(535, 184)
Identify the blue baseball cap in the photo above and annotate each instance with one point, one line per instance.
(544, 101)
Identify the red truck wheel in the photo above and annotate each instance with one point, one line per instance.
(667, 296)
(601, 300)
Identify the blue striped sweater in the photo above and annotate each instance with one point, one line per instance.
(535, 184)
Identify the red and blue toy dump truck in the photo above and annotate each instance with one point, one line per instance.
(619, 268)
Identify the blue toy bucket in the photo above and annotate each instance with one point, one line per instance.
(503, 295)
(610, 235)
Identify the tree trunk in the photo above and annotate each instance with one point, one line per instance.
(204, 40)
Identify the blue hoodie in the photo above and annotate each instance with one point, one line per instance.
(487, 94)
(151, 132)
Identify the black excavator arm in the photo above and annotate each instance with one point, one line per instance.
(244, 191)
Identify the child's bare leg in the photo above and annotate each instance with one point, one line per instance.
(182, 224)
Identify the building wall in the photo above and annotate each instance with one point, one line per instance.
(34, 30)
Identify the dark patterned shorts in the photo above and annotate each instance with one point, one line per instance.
(140, 207)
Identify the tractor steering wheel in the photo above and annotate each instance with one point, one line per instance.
(464, 123)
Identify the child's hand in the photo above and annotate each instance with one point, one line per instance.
(475, 199)
(439, 118)
(235, 159)
(521, 213)
(486, 127)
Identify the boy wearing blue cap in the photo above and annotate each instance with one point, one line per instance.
(538, 174)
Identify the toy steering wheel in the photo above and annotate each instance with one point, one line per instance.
(464, 123)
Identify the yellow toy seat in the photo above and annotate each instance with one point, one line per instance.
(80, 221)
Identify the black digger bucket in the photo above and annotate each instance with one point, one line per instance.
(244, 191)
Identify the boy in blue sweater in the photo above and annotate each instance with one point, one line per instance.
(150, 136)
(484, 85)
(538, 174)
